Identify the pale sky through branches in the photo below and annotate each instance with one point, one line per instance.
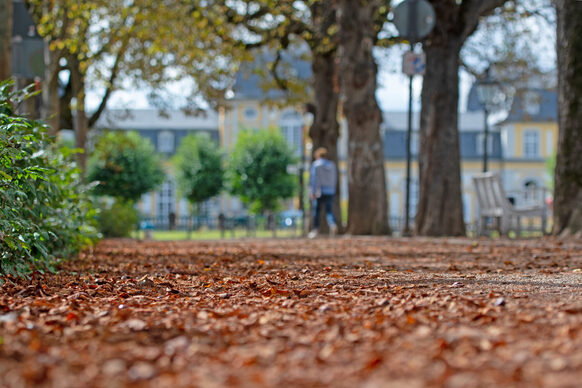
(392, 92)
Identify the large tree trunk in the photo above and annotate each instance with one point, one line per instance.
(324, 131)
(440, 204)
(368, 202)
(568, 177)
(6, 11)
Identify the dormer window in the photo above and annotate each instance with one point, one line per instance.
(532, 102)
(166, 142)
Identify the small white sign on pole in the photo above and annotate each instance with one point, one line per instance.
(413, 63)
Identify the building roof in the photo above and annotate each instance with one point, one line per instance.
(398, 121)
(534, 105)
(155, 119)
(253, 81)
(23, 25)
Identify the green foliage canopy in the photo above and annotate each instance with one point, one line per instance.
(200, 172)
(45, 211)
(125, 165)
(258, 169)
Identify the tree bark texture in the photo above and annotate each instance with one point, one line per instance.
(6, 11)
(51, 109)
(440, 204)
(324, 131)
(368, 202)
(568, 176)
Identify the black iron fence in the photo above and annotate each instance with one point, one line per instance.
(250, 224)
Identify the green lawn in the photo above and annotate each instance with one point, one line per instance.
(205, 234)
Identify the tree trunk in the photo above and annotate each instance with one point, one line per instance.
(440, 205)
(80, 121)
(568, 177)
(368, 202)
(6, 11)
(50, 109)
(324, 131)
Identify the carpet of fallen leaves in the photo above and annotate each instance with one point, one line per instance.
(345, 312)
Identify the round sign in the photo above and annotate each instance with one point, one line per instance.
(414, 19)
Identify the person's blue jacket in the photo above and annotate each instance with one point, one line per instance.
(322, 177)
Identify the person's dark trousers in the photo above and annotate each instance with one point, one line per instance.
(325, 201)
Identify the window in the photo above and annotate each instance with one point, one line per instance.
(165, 201)
(531, 192)
(531, 144)
(549, 143)
(250, 113)
(291, 125)
(413, 197)
(532, 102)
(166, 142)
(292, 134)
(414, 144)
(480, 139)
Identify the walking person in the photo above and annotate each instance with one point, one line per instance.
(322, 182)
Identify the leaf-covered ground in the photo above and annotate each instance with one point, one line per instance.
(345, 312)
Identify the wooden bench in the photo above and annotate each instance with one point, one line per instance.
(493, 203)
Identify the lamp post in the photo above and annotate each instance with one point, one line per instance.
(307, 123)
(488, 94)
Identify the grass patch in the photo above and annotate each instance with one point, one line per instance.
(205, 234)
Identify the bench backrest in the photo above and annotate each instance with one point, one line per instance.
(490, 194)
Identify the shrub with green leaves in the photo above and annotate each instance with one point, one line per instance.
(117, 218)
(199, 168)
(45, 211)
(258, 169)
(125, 166)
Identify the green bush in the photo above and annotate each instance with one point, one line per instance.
(117, 219)
(125, 165)
(200, 173)
(45, 211)
(258, 170)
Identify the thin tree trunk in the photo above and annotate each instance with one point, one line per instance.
(80, 121)
(6, 12)
(568, 176)
(440, 205)
(368, 202)
(50, 109)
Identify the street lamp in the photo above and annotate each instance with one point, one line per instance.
(488, 95)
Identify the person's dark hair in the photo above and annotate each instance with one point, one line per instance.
(321, 152)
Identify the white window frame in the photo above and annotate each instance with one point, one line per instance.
(414, 194)
(291, 125)
(531, 143)
(165, 199)
(166, 141)
(480, 139)
(532, 102)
